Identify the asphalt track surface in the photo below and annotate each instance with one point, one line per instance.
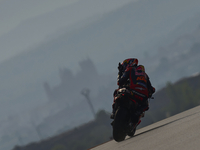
(179, 132)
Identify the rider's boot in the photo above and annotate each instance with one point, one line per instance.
(112, 116)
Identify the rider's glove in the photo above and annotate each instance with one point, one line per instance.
(120, 67)
(151, 92)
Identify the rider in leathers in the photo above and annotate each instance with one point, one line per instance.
(139, 84)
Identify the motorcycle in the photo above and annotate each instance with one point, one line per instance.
(125, 107)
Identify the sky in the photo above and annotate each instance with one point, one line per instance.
(12, 12)
(25, 23)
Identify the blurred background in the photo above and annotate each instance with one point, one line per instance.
(53, 51)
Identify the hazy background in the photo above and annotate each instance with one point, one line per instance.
(52, 50)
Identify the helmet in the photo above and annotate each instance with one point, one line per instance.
(129, 63)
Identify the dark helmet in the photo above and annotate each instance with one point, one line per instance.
(131, 62)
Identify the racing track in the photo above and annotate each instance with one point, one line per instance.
(179, 132)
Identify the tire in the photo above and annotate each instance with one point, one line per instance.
(120, 124)
(131, 134)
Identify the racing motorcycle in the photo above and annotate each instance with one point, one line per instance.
(125, 109)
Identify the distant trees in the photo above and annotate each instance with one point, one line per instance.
(82, 137)
(173, 99)
(59, 147)
(182, 97)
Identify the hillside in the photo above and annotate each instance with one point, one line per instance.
(81, 137)
(99, 130)
(175, 98)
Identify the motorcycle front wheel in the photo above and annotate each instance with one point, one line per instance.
(120, 125)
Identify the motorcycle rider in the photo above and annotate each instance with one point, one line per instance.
(139, 85)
